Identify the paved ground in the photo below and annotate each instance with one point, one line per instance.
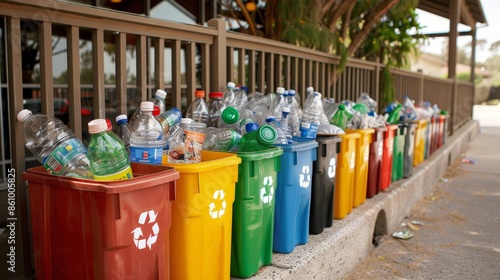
(460, 235)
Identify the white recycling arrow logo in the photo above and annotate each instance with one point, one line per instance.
(264, 197)
(332, 168)
(139, 242)
(305, 177)
(217, 213)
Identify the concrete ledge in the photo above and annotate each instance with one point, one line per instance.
(336, 252)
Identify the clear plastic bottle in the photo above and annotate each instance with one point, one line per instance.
(311, 116)
(339, 118)
(168, 119)
(285, 123)
(186, 144)
(221, 139)
(146, 137)
(280, 135)
(55, 145)
(124, 131)
(198, 110)
(246, 116)
(215, 108)
(107, 154)
(294, 120)
(229, 94)
(257, 140)
(277, 105)
(241, 97)
(158, 101)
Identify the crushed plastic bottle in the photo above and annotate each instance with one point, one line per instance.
(109, 160)
(55, 145)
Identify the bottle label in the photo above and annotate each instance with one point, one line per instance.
(308, 130)
(146, 154)
(189, 150)
(125, 174)
(62, 155)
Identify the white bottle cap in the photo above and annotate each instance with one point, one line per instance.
(280, 90)
(147, 106)
(97, 125)
(309, 89)
(161, 94)
(231, 85)
(121, 117)
(21, 115)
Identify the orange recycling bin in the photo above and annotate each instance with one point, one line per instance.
(85, 229)
(385, 179)
(361, 166)
(344, 182)
(419, 154)
(202, 215)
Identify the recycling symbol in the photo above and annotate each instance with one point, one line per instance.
(264, 197)
(217, 213)
(367, 153)
(305, 178)
(332, 168)
(141, 243)
(353, 161)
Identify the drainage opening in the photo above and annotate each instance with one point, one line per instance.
(380, 231)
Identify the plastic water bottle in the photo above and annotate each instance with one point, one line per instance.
(311, 116)
(277, 105)
(55, 145)
(294, 120)
(221, 139)
(186, 144)
(108, 156)
(280, 135)
(168, 119)
(146, 137)
(229, 118)
(285, 123)
(229, 94)
(257, 140)
(215, 107)
(158, 101)
(124, 131)
(340, 117)
(246, 116)
(198, 110)
(241, 97)
(394, 115)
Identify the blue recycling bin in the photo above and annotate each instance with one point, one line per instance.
(293, 196)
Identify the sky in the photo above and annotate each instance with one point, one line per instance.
(490, 32)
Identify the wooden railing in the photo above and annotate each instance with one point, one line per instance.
(199, 58)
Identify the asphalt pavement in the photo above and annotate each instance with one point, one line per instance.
(457, 229)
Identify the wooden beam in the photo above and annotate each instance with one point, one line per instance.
(473, 57)
(452, 45)
(466, 15)
(446, 34)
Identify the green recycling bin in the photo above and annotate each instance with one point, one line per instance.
(398, 157)
(253, 211)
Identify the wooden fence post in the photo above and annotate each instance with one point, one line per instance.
(218, 55)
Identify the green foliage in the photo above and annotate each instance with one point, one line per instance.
(465, 76)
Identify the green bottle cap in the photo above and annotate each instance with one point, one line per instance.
(266, 134)
(230, 115)
(361, 108)
(341, 106)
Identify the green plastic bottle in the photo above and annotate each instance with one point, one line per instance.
(257, 140)
(340, 117)
(107, 154)
(394, 115)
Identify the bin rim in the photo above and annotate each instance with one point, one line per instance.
(271, 152)
(328, 138)
(363, 131)
(298, 146)
(140, 181)
(223, 160)
(354, 135)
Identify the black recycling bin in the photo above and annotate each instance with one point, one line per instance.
(409, 149)
(323, 183)
(375, 162)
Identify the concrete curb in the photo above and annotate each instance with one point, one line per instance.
(336, 252)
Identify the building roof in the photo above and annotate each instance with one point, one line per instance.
(471, 11)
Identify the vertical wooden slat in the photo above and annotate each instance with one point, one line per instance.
(328, 78)
(46, 80)
(241, 67)
(142, 70)
(191, 71)
(230, 65)
(159, 44)
(98, 72)
(278, 70)
(251, 71)
(14, 73)
(205, 67)
(261, 73)
(316, 75)
(121, 72)
(270, 72)
(176, 75)
(295, 79)
(74, 87)
(322, 77)
(302, 79)
(309, 74)
(286, 72)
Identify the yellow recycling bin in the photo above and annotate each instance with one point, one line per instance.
(419, 153)
(361, 166)
(344, 182)
(200, 235)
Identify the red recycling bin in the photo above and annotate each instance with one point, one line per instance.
(385, 180)
(85, 229)
(375, 162)
(441, 131)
